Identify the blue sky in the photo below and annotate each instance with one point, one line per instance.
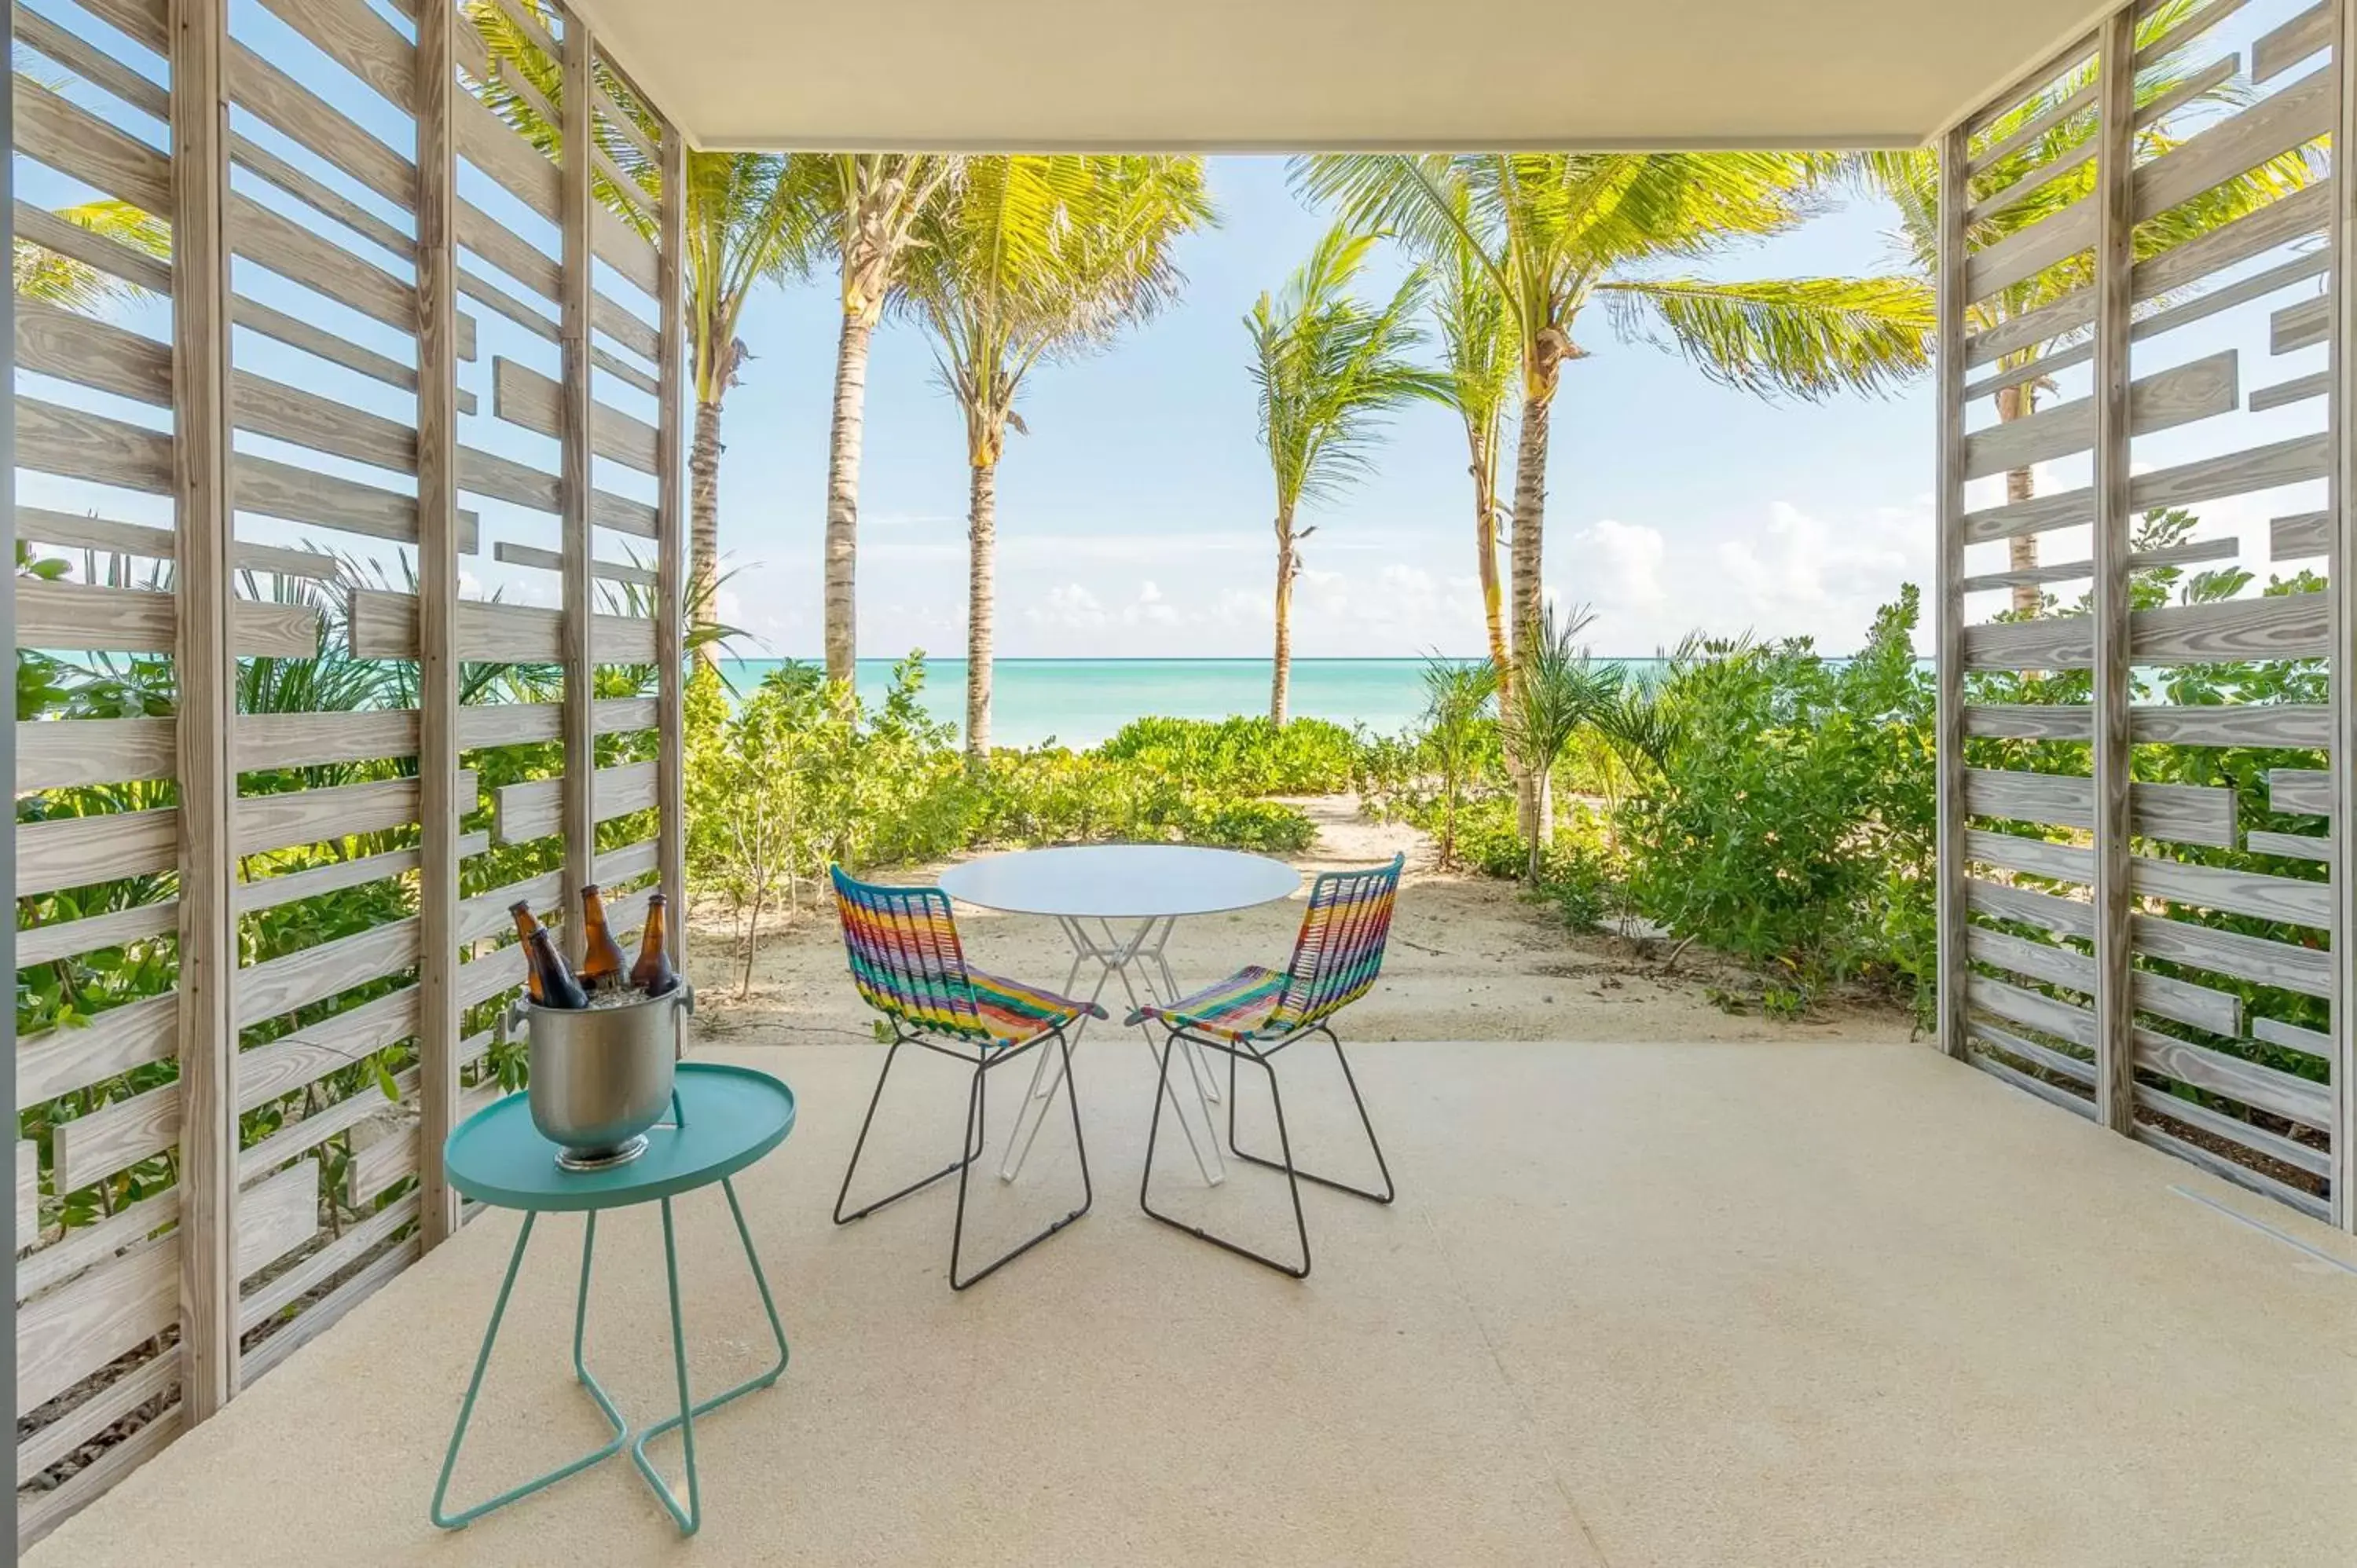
(1133, 518)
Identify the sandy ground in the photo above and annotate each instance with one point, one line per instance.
(1469, 960)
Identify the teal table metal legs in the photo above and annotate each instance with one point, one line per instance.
(689, 1518)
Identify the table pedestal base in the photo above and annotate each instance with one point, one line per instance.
(1114, 957)
(688, 1518)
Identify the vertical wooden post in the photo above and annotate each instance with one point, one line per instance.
(439, 806)
(207, 674)
(1948, 609)
(2343, 485)
(2114, 222)
(671, 530)
(580, 816)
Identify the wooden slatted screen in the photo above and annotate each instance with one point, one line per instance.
(350, 543)
(2141, 656)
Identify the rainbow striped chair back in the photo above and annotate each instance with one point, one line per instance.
(905, 957)
(1341, 949)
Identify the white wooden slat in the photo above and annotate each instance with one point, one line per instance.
(59, 1060)
(2183, 814)
(2308, 971)
(2290, 462)
(534, 809)
(2280, 48)
(311, 974)
(2307, 791)
(2258, 1140)
(2300, 1100)
(85, 615)
(2302, 533)
(42, 1512)
(78, 852)
(266, 822)
(2291, 846)
(64, 1336)
(2293, 1037)
(28, 1192)
(87, 1246)
(2234, 892)
(289, 1288)
(62, 1435)
(2181, 394)
(276, 1215)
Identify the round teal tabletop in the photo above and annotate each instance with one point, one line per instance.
(731, 1116)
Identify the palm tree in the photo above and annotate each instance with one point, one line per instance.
(1328, 368)
(1030, 259)
(872, 203)
(1561, 692)
(1912, 181)
(1477, 356)
(1552, 231)
(749, 218)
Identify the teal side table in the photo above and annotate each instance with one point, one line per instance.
(727, 1117)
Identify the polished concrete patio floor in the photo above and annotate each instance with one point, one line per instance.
(1676, 1305)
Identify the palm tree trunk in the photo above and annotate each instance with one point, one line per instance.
(981, 550)
(843, 499)
(1280, 681)
(704, 512)
(2021, 551)
(1537, 810)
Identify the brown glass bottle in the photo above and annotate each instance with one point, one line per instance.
(601, 956)
(546, 980)
(653, 974)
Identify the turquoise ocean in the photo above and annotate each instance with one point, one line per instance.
(1080, 702)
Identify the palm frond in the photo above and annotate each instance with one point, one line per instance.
(1806, 338)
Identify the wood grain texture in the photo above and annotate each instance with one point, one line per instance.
(2231, 1170)
(2038, 1088)
(2237, 723)
(2298, 326)
(2033, 856)
(2035, 1009)
(2276, 124)
(78, 852)
(2264, 1088)
(2199, 389)
(288, 1289)
(275, 1216)
(2293, 1037)
(58, 754)
(2283, 395)
(308, 740)
(65, 938)
(2030, 721)
(2115, 419)
(2305, 211)
(63, 616)
(281, 821)
(2258, 1140)
(39, 226)
(2183, 813)
(314, 973)
(2288, 625)
(2342, 1069)
(279, 101)
(2291, 846)
(2047, 1058)
(73, 141)
(2056, 643)
(2047, 912)
(297, 495)
(325, 1313)
(58, 1062)
(2189, 553)
(2302, 533)
(383, 625)
(524, 396)
(671, 544)
(2234, 892)
(62, 1435)
(86, 1246)
(2290, 462)
(550, 561)
(432, 81)
(521, 812)
(2283, 46)
(2308, 971)
(293, 1061)
(297, 1137)
(2027, 253)
(2305, 790)
(578, 791)
(78, 445)
(71, 1332)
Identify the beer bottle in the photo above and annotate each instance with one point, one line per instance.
(653, 974)
(546, 980)
(601, 956)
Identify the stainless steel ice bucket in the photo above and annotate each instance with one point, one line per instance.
(602, 1076)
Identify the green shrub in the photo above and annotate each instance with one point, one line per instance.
(1241, 756)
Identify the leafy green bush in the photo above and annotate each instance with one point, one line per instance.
(1241, 756)
(1791, 824)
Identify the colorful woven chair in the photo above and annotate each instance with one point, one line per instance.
(1256, 1013)
(906, 960)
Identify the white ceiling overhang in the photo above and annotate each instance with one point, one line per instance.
(1293, 75)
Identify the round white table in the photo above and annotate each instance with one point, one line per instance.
(1117, 905)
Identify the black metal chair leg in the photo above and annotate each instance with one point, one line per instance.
(844, 1196)
(978, 1107)
(1390, 1190)
(1144, 1183)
